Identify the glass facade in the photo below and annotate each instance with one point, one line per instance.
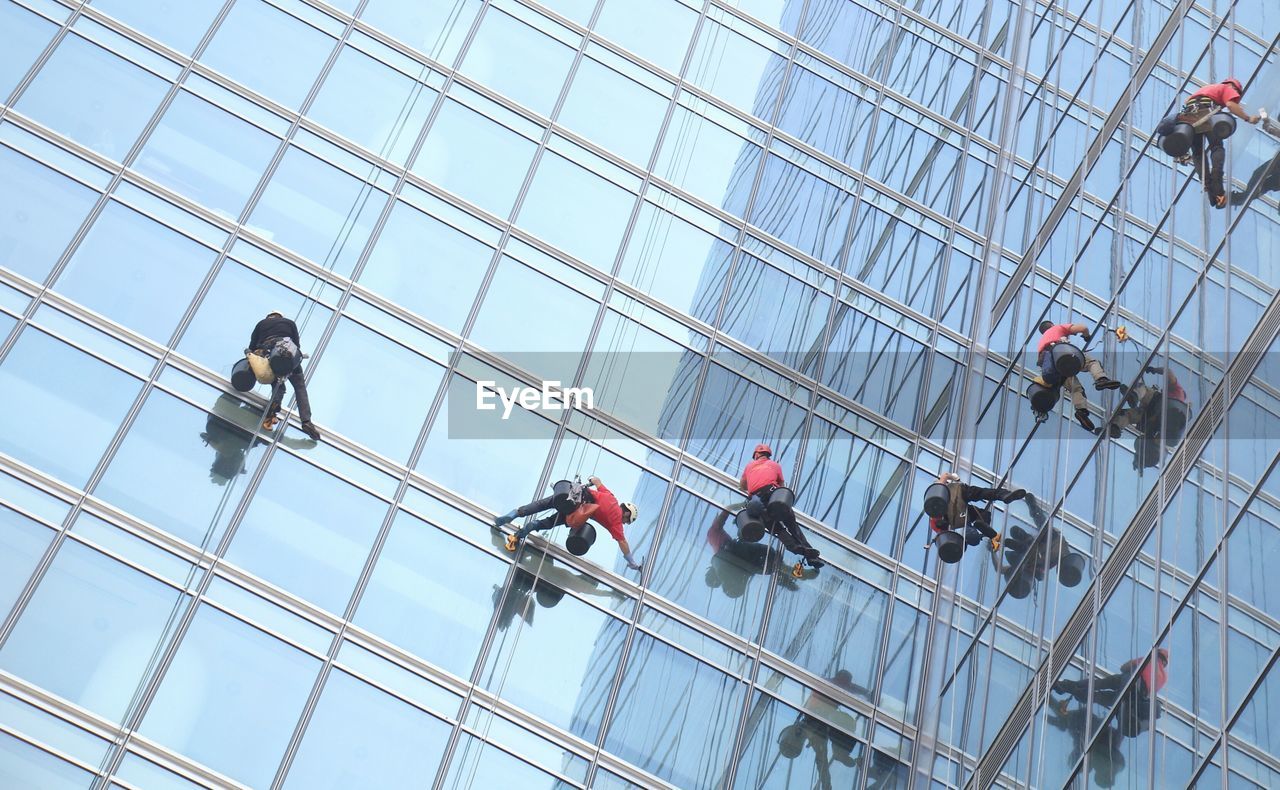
(829, 225)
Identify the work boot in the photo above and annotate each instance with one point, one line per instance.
(505, 518)
(1105, 383)
(513, 542)
(816, 563)
(1114, 430)
(311, 430)
(1218, 201)
(1014, 496)
(269, 422)
(1082, 417)
(809, 553)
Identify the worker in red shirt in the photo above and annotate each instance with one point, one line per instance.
(598, 505)
(761, 477)
(1206, 101)
(1052, 334)
(1135, 705)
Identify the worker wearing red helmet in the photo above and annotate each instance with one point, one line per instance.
(761, 477)
(1209, 99)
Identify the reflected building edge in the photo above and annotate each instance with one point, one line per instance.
(842, 193)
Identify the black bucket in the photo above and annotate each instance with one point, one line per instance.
(1070, 569)
(781, 501)
(548, 595)
(750, 528)
(950, 546)
(1067, 359)
(1178, 142)
(791, 741)
(936, 497)
(1222, 125)
(1019, 586)
(580, 540)
(1042, 398)
(242, 377)
(972, 536)
(560, 497)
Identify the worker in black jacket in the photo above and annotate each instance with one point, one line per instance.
(276, 338)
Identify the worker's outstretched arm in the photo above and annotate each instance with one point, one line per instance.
(626, 555)
(1241, 113)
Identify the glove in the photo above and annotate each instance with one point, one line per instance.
(1153, 369)
(504, 519)
(1087, 337)
(635, 566)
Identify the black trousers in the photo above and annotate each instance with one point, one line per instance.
(551, 521)
(1216, 156)
(298, 380)
(787, 529)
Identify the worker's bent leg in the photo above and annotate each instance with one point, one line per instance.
(1071, 385)
(299, 383)
(980, 520)
(536, 506)
(1217, 157)
(277, 397)
(539, 525)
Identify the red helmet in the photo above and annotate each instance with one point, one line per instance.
(1235, 83)
(762, 449)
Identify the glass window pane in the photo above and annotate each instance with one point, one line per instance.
(136, 271)
(93, 97)
(23, 765)
(59, 407)
(676, 262)
(430, 593)
(737, 69)
(22, 544)
(89, 630)
(613, 111)
(475, 158)
(437, 29)
(361, 737)
(789, 335)
(848, 32)
(556, 630)
(179, 23)
(427, 266)
(318, 211)
(307, 532)
(268, 50)
(518, 61)
(23, 36)
(231, 697)
(657, 31)
(383, 408)
(372, 104)
(576, 210)
(805, 211)
(478, 764)
(829, 756)
(708, 161)
(206, 154)
(698, 705)
(40, 210)
(163, 474)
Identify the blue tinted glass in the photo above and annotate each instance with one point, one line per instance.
(268, 50)
(577, 10)
(676, 262)
(308, 532)
(93, 97)
(206, 154)
(478, 764)
(438, 29)
(238, 299)
(231, 697)
(613, 111)
(820, 228)
(708, 161)
(518, 61)
(374, 105)
(736, 69)
(40, 210)
(475, 158)
(174, 466)
(576, 210)
(657, 31)
(179, 23)
(318, 211)
(848, 32)
(136, 271)
(828, 756)
(59, 407)
(556, 630)
(362, 737)
(23, 765)
(383, 408)
(424, 576)
(22, 543)
(89, 630)
(786, 335)
(22, 37)
(427, 266)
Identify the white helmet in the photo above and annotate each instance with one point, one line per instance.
(629, 513)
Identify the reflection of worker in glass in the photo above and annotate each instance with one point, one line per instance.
(734, 562)
(1265, 178)
(813, 728)
(276, 338)
(1159, 417)
(1106, 757)
(962, 513)
(1052, 334)
(1047, 549)
(228, 430)
(1133, 707)
(538, 577)
(761, 478)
